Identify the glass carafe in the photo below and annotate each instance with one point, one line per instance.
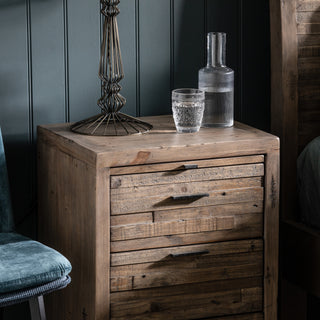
(217, 81)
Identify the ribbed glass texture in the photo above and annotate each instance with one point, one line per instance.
(217, 81)
(187, 109)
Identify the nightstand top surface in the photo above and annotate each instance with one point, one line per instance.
(161, 144)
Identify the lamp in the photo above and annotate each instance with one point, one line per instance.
(110, 122)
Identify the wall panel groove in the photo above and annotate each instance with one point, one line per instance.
(29, 214)
(66, 60)
(83, 34)
(222, 19)
(128, 22)
(154, 40)
(137, 43)
(15, 109)
(189, 42)
(255, 66)
(29, 68)
(239, 113)
(172, 49)
(205, 28)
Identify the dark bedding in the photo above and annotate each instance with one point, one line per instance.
(308, 166)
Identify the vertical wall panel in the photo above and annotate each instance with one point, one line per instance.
(14, 102)
(127, 31)
(48, 69)
(189, 42)
(15, 110)
(225, 16)
(154, 57)
(83, 25)
(256, 64)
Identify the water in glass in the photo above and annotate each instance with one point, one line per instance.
(187, 115)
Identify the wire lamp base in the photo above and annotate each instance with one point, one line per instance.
(111, 122)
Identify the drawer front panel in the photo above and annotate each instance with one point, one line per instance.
(174, 166)
(180, 195)
(167, 228)
(195, 301)
(248, 316)
(186, 188)
(186, 264)
(188, 175)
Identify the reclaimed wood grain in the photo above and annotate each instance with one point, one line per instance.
(162, 144)
(250, 316)
(295, 29)
(70, 190)
(147, 230)
(311, 5)
(174, 166)
(143, 256)
(308, 16)
(166, 177)
(188, 269)
(193, 220)
(160, 202)
(271, 234)
(186, 187)
(194, 305)
(308, 28)
(160, 303)
(235, 209)
(284, 98)
(189, 213)
(201, 287)
(246, 227)
(230, 278)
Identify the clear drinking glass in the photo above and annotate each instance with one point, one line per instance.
(187, 109)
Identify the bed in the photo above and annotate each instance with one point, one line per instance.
(295, 118)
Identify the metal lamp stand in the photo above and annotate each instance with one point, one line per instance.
(111, 122)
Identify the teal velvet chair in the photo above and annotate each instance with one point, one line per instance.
(28, 269)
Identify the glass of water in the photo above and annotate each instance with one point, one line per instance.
(187, 109)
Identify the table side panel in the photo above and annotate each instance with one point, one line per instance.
(70, 222)
(271, 234)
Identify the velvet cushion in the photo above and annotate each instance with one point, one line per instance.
(26, 263)
(6, 221)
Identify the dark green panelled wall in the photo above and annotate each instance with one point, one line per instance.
(49, 59)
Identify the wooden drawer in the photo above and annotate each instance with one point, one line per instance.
(178, 227)
(206, 280)
(201, 301)
(186, 264)
(182, 185)
(249, 316)
(145, 213)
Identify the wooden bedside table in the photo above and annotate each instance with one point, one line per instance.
(162, 225)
